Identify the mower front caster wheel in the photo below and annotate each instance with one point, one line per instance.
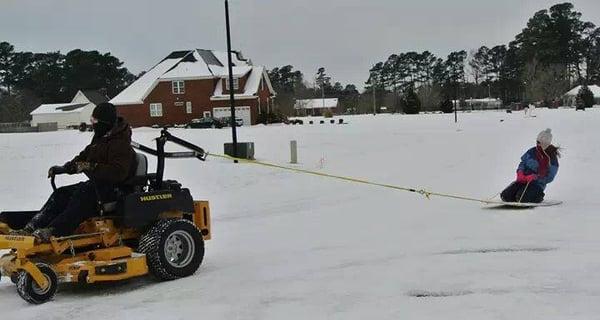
(28, 289)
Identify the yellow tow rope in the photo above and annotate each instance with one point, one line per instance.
(423, 192)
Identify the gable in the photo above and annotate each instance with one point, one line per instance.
(185, 65)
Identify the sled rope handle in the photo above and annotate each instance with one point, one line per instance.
(423, 192)
(524, 190)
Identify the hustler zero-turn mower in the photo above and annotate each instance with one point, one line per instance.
(155, 227)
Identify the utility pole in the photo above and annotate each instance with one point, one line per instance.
(456, 104)
(320, 79)
(323, 94)
(231, 88)
(374, 102)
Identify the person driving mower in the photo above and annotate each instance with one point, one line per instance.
(108, 161)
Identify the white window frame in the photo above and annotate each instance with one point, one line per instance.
(188, 107)
(236, 84)
(178, 86)
(156, 110)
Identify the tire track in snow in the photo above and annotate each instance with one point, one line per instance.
(499, 250)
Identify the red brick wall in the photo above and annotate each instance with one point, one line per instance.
(265, 97)
(198, 92)
(242, 84)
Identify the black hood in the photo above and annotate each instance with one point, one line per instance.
(121, 130)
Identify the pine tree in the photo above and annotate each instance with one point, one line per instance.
(585, 98)
(411, 103)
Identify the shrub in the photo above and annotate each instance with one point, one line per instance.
(271, 117)
(327, 114)
(446, 106)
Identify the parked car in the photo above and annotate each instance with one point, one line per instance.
(205, 123)
(226, 121)
(83, 127)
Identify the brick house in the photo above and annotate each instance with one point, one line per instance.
(193, 84)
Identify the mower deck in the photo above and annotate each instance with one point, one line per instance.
(86, 257)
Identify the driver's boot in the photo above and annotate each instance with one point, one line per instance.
(41, 219)
(43, 235)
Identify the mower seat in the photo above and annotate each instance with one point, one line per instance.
(135, 183)
(140, 178)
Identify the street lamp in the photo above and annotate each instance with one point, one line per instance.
(231, 87)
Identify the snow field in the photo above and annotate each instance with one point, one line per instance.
(293, 246)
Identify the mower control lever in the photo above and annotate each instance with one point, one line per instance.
(53, 172)
(52, 182)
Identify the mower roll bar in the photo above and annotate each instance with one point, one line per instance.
(165, 136)
(161, 154)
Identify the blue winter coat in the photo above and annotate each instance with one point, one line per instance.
(530, 165)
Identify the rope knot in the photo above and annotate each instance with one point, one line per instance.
(425, 193)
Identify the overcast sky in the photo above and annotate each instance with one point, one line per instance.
(344, 36)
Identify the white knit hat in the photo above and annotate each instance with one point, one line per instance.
(545, 138)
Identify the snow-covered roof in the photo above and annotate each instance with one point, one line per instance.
(482, 100)
(183, 65)
(58, 108)
(316, 103)
(137, 91)
(257, 73)
(187, 70)
(238, 72)
(594, 88)
(94, 96)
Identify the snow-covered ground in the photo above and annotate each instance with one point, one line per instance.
(294, 246)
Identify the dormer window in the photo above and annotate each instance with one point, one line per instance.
(178, 87)
(236, 84)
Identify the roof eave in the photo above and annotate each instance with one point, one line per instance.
(128, 103)
(222, 98)
(187, 78)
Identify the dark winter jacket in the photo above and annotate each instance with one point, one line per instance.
(530, 165)
(111, 156)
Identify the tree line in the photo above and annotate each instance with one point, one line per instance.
(28, 79)
(555, 51)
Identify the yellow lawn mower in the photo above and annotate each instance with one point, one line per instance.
(155, 227)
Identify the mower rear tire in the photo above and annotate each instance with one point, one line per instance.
(14, 278)
(174, 249)
(31, 292)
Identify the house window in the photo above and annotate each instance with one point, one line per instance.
(188, 107)
(236, 84)
(178, 87)
(156, 110)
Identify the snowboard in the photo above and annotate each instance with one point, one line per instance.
(502, 204)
